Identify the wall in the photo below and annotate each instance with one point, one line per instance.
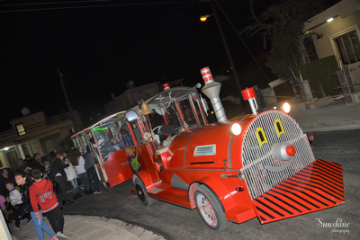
(346, 15)
(324, 45)
(36, 118)
(36, 147)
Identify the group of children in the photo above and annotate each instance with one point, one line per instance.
(35, 197)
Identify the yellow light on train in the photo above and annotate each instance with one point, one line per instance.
(235, 129)
(286, 107)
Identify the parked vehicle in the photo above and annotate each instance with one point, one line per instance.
(258, 165)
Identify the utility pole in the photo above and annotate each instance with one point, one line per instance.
(228, 53)
(73, 119)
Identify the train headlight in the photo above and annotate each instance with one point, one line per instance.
(286, 107)
(235, 129)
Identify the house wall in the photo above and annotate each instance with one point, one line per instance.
(346, 15)
(29, 120)
(36, 147)
(337, 27)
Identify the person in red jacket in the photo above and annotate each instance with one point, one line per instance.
(41, 193)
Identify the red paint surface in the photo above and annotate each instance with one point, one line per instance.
(118, 168)
(290, 150)
(248, 93)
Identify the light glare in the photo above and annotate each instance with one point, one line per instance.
(236, 129)
(330, 19)
(286, 107)
(204, 18)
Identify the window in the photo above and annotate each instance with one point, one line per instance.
(310, 50)
(125, 133)
(188, 114)
(20, 129)
(348, 47)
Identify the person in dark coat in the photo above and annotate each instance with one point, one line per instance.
(4, 177)
(58, 173)
(29, 161)
(38, 164)
(22, 165)
(90, 169)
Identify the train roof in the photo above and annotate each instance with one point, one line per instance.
(102, 122)
(166, 95)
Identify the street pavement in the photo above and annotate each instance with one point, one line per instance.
(336, 116)
(88, 228)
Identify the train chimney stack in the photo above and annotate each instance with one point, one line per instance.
(249, 94)
(212, 91)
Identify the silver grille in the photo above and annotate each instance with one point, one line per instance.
(256, 159)
(205, 150)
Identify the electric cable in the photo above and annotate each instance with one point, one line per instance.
(92, 6)
(242, 40)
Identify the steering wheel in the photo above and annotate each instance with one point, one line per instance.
(157, 128)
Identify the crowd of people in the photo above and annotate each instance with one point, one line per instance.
(31, 191)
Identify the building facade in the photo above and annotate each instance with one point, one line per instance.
(339, 26)
(35, 133)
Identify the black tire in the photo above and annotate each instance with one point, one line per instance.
(209, 208)
(142, 194)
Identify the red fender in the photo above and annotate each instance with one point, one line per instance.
(218, 188)
(144, 178)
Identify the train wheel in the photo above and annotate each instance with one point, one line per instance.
(142, 193)
(209, 208)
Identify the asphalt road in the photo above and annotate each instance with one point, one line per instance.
(175, 222)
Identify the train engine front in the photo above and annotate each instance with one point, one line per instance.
(258, 165)
(279, 175)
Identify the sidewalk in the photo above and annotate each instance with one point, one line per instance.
(329, 118)
(89, 228)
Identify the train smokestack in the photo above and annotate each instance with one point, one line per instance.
(212, 91)
(249, 94)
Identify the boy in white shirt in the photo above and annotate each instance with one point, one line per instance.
(15, 199)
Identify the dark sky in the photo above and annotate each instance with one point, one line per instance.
(99, 49)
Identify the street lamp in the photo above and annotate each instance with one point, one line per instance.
(203, 19)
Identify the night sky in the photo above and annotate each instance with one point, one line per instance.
(99, 49)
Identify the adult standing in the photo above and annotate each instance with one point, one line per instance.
(38, 164)
(78, 162)
(28, 161)
(90, 169)
(57, 171)
(22, 165)
(4, 177)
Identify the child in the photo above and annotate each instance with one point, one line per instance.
(15, 200)
(3, 208)
(41, 193)
(72, 178)
(21, 180)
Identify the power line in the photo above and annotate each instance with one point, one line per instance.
(88, 6)
(242, 40)
(247, 4)
(51, 3)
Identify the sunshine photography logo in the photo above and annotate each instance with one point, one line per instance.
(339, 226)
